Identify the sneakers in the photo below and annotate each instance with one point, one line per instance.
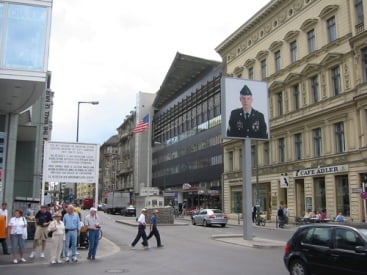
(42, 255)
(93, 258)
(160, 245)
(15, 261)
(53, 262)
(59, 262)
(32, 255)
(74, 259)
(67, 259)
(131, 246)
(23, 260)
(89, 257)
(146, 246)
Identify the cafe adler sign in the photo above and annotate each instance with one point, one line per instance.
(320, 171)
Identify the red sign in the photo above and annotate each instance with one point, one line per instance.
(364, 195)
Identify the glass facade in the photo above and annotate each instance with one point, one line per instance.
(23, 36)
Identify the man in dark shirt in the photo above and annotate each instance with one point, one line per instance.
(153, 228)
(246, 121)
(43, 219)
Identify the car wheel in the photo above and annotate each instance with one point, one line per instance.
(223, 225)
(193, 222)
(298, 267)
(205, 223)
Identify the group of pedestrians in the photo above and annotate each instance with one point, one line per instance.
(141, 230)
(63, 226)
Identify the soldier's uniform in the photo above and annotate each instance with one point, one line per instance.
(248, 125)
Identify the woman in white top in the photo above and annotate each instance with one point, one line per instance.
(57, 228)
(17, 225)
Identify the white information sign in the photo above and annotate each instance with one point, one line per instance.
(71, 162)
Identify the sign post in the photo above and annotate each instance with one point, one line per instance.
(247, 190)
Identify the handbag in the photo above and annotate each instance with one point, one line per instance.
(25, 231)
(84, 228)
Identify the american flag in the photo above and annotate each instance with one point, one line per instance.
(142, 125)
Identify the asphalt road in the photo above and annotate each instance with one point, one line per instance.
(187, 250)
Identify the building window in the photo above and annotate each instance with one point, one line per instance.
(293, 50)
(281, 153)
(24, 43)
(236, 201)
(335, 78)
(266, 153)
(364, 63)
(253, 156)
(277, 61)
(331, 29)
(358, 4)
(230, 161)
(280, 103)
(298, 146)
(320, 195)
(339, 137)
(263, 69)
(296, 97)
(342, 195)
(251, 73)
(315, 89)
(317, 142)
(311, 41)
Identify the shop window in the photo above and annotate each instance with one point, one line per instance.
(331, 29)
(339, 137)
(319, 194)
(342, 195)
(311, 41)
(236, 201)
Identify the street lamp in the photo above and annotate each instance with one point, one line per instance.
(77, 121)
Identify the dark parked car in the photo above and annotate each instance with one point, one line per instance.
(327, 249)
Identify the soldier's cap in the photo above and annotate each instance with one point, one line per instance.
(245, 91)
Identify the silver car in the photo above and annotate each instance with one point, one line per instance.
(207, 217)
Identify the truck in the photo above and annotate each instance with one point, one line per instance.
(117, 202)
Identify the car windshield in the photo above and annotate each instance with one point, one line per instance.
(364, 232)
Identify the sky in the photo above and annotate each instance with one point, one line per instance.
(109, 50)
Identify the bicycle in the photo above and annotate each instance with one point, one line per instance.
(259, 220)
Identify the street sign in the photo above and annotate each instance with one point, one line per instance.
(357, 190)
(364, 195)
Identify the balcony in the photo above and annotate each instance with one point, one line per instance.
(359, 28)
(24, 40)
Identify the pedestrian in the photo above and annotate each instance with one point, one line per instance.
(281, 218)
(141, 230)
(57, 228)
(4, 212)
(285, 210)
(340, 217)
(43, 219)
(153, 228)
(94, 226)
(17, 227)
(29, 210)
(72, 226)
(254, 210)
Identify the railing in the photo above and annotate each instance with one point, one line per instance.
(359, 28)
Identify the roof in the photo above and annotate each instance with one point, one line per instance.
(184, 71)
(113, 140)
(248, 25)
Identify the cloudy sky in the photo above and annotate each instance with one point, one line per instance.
(109, 50)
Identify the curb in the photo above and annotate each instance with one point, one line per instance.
(258, 243)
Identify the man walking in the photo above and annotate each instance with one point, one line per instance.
(43, 219)
(153, 228)
(72, 226)
(141, 230)
(4, 212)
(281, 217)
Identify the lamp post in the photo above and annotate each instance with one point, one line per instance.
(77, 121)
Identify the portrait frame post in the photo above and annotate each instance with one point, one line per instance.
(245, 116)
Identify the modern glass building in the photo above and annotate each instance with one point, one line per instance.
(186, 138)
(25, 96)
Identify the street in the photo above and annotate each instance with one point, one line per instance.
(187, 249)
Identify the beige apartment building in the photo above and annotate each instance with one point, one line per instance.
(313, 56)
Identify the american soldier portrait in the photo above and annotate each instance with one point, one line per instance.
(246, 121)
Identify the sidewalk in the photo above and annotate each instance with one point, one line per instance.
(105, 249)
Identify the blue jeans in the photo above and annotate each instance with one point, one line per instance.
(93, 236)
(17, 243)
(71, 237)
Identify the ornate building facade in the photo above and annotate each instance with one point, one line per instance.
(313, 56)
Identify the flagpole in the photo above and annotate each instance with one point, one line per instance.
(149, 150)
